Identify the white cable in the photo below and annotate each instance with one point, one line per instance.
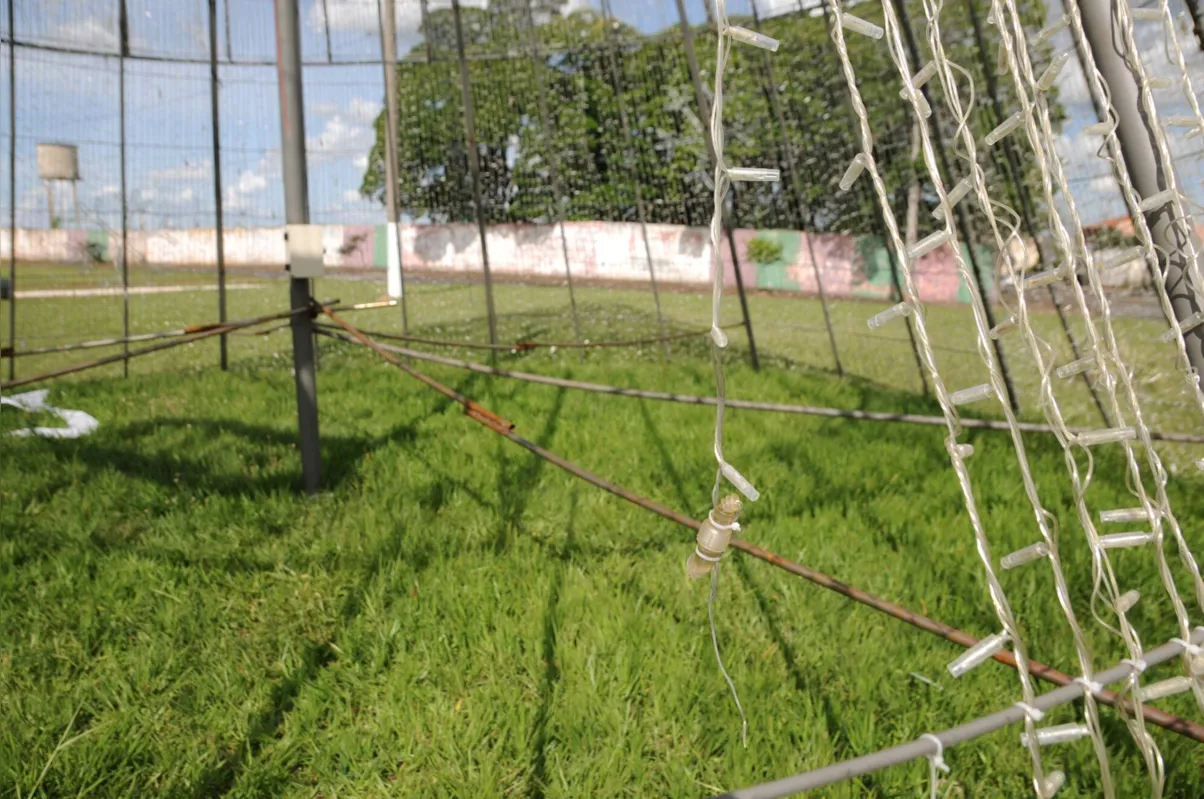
(719, 658)
(935, 762)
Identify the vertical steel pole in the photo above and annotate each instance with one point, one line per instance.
(12, 191)
(537, 67)
(219, 222)
(630, 158)
(704, 113)
(474, 166)
(296, 211)
(387, 15)
(326, 28)
(796, 185)
(1020, 193)
(229, 46)
(1133, 129)
(50, 221)
(124, 26)
(959, 211)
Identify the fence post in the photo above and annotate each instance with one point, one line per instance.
(1140, 158)
(12, 193)
(387, 17)
(296, 211)
(553, 165)
(630, 158)
(217, 181)
(1021, 194)
(704, 113)
(124, 31)
(959, 212)
(474, 166)
(796, 185)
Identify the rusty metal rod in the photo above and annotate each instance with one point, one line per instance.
(749, 405)
(522, 346)
(506, 429)
(125, 356)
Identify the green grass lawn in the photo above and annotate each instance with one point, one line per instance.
(453, 617)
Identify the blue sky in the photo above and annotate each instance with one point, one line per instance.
(74, 99)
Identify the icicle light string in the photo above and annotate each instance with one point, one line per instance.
(723, 176)
(1108, 355)
(964, 143)
(956, 453)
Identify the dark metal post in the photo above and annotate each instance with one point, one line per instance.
(1193, 9)
(12, 192)
(537, 66)
(796, 185)
(630, 157)
(217, 181)
(704, 113)
(388, 47)
(326, 28)
(1137, 149)
(296, 210)
(474, 166)
(1020, 193)
(124, 29)
(229, 45)
(959, 211)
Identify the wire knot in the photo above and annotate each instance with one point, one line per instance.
(1192, 649)
(1033, 713)
(937, 759)
(1136, 664)
(1090, 686)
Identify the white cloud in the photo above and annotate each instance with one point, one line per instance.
(360, 162)
(352, 196)
(198, 170)
(251, 181)
(89, 33)
(361, 16)
(365, 111)
(340, 137)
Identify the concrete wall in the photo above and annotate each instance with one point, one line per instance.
(598, 251)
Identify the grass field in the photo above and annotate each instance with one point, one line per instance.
(452, 617)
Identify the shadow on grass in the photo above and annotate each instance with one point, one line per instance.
(551, 674)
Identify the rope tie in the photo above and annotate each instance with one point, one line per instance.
(935, 761)
(1192, 649)
(1089, 685)
(1033, 713)
(1136, 664)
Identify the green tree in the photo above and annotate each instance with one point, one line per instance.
(667, 146)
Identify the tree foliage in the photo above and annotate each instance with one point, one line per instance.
(578, 62)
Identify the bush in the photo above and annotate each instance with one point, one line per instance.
(764, 251)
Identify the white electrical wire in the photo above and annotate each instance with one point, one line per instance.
(722, 179)
(905, 259)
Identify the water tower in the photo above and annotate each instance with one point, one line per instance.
(59, 162)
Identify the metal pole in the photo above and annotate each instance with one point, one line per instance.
(879, 225)
(474, 166)
(537, 66)
(959, 211)
(229, 46)
(50, 223)
(326, 28)
(1193, 9)
(1021, 194)
(925, 746)
(1138, 151)
(796, 185)
(704, 113)
(630, 158)
(426, 32)
(12, 190)
(219, 222)
(296, 211)
(388, 46)
(124, 27)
